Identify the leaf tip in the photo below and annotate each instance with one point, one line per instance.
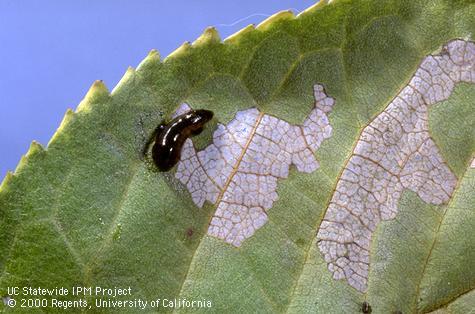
(279, 16)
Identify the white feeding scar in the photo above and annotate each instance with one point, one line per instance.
(238, 172)
(394, 153)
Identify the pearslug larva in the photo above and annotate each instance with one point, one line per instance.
(170, 137)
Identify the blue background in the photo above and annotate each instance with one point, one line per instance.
(52, 51)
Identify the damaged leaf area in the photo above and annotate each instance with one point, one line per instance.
(394, 152)
(336, 176)
(239, 171)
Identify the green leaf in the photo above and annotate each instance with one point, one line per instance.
(92, 211)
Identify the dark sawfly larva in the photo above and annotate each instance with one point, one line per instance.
(170, 137)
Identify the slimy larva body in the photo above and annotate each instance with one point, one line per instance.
(169, 138)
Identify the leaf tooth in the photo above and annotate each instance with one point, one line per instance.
(210, 35)
(35, 148)
(97, 93)
(315, 7)
(279, 16)
(130, 70)
(21, 164)
(7, 180)
(68, 116)
(154, 54)
(128, 76)
(180, 51)
(151, 62)
(237, 36)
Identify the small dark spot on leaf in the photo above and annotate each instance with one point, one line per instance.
(117, 232)
(365, 307)
(397, 312)
(189, 232)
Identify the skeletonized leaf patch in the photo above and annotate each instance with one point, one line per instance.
(394, 152)
(238, 172)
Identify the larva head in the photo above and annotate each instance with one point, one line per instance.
(202, 116)
(198, 120)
